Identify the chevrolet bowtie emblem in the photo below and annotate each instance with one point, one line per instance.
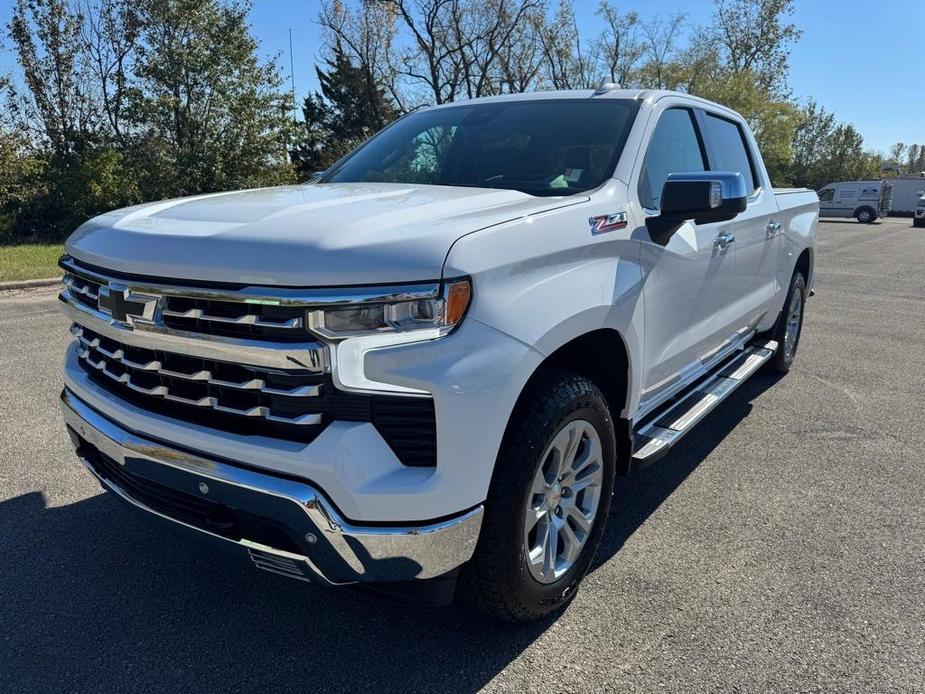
(124, 306)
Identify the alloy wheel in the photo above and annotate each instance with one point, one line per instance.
(563, 501)
(794, 322)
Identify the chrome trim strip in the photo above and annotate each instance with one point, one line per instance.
(369, 551)
(303, 355)
(277, 296)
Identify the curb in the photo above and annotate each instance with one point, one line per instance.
(30, 284)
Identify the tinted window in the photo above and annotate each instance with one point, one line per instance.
(674, 148)
(555, 147)
(729, 149)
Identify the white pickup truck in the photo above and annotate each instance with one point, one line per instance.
(423, 370)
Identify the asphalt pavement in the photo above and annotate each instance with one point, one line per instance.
(780, 547)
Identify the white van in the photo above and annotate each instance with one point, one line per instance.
(918, 218)
(866, 201)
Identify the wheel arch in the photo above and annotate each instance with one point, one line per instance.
(858, 209)
(804, 265)
(602, 356)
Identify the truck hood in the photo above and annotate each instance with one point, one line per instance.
(307, 236)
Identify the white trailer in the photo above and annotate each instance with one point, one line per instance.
(906, 193)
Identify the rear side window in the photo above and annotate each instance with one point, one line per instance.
(729, 149)
(674, 148)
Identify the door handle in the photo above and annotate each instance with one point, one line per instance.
(772, 228)
(723, 240)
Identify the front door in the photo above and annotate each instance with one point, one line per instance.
(827, 202)
(688, 281)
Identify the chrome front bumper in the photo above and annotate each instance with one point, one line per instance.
(317, 542)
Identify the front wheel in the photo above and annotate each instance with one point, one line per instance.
(548, 501)
(790, 325)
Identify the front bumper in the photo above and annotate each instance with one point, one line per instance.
(286, 526)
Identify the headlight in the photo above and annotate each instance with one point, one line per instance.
(355, 329)
(434, 317)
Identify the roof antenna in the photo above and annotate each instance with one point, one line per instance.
(606, 87)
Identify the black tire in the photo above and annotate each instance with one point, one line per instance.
(866, 215)
(783, 358)
(497, 580)
(918, 222)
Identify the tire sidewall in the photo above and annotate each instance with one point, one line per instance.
(797, 284)
(548, 595)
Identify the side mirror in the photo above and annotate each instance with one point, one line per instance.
(703, 196)
(316, 175)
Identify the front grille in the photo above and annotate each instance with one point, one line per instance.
(290, 405)
(284, 398)
(281, 391)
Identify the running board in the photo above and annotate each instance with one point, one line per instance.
(666, 427)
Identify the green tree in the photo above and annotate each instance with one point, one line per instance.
(350, 108)
(825, 150)
(741, 61)
(64, 168)
(755, 36)
(207, 114)
(772, 121)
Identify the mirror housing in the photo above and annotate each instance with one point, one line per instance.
(702, 196)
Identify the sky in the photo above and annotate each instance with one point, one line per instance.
(862, 60)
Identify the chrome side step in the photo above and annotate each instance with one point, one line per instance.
(663, 429)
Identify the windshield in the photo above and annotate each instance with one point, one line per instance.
(554, 147)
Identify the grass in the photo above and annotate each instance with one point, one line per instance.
(29, 261)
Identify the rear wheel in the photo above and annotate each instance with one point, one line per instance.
(548, 502)
(865, 215)
(918, 222)
(790, 325)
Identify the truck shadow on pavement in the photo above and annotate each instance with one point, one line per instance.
(96, 596)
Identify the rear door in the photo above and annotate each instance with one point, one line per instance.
(757, 230)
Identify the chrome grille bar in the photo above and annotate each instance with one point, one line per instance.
(244, 319)
(81, 287)
(203, 375)
(301, 355)
(209, 401)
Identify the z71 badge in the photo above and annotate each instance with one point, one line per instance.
(607, 222)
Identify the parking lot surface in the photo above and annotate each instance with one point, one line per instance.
(780, 547)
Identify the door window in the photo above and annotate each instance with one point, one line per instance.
(827, 195)
(674, 148)
(729, 149)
